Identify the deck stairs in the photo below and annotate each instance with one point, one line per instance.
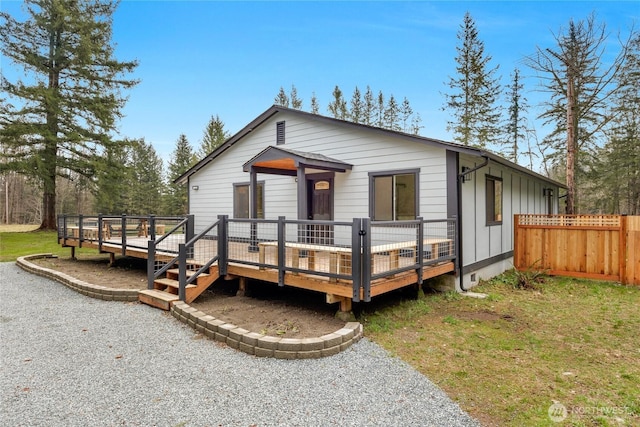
(165, 289)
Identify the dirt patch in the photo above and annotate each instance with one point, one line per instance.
(266, 308)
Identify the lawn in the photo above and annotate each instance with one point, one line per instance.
(16, 241)
(507, 358)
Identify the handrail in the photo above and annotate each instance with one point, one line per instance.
(164, 236)
(201, 234)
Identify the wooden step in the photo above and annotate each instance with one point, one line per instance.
(169, 285)
(175, 272)
(156, 298)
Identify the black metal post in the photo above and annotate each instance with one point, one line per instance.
(223, 255)
(366, 258)
(151, 263)
(100, 236)
(356, 258)
(420, 246)
(281, 249)
(189, 233)
(123, 234)
(182, 274)
(152, 227)
(80, 230)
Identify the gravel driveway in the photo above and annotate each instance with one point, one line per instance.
(69, 360)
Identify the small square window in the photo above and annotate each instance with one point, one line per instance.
(494, 200)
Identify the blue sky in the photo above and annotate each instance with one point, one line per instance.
(202, 58)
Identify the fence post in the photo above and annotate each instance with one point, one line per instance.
(151, 263)
(80, 230)
(281, 249)
(152, 227)
(365, 232)
(100, 236)
(622, 251)
(420, 248)
(356, 258)
(123, 234)
(189, 233)
(222, 244)
(182, 274)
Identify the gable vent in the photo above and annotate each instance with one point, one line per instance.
(279, 133)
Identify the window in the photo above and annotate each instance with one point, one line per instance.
(494, 200)
(394, 196)
(279, 133)
(241, 200)
(548, 194)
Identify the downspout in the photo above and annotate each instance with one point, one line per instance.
(461, 176)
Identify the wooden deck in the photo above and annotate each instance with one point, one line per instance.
(350, 261)
(263, 265)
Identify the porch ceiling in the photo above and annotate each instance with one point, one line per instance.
(286, 162)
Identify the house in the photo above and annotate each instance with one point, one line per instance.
(306, 166)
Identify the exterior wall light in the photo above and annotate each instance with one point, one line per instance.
(195, 187)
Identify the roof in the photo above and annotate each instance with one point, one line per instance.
(275, 109)
(285, 161)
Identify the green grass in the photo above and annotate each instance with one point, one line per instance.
(507, 358)
(16, 244)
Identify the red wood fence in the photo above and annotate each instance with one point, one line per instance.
(604, 247)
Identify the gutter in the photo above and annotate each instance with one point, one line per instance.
(461, 176)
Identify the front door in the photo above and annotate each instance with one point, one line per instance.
(320, 207)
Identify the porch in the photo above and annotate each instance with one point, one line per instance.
(348, 261)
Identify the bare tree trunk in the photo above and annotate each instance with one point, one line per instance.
(571, 143)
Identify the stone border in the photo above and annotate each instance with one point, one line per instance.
(265, 345)
(235, 337)
(85, 288)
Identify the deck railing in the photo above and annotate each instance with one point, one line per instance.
(353, 252)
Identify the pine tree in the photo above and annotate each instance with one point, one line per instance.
(113, 179)
(281, 99)
(475, 91)
(296, 103)
(416, 124)
(380, 108)
(391, 114)
(315, 107)
(356, 113)
(405, 112)
(145, 195)
(338, 107)
(181, 160)
(63, 113)
(516, 127)
(214, 136)
(580, 89)
(368, 108)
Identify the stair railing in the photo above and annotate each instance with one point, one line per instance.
(185, 224)
(201, 249)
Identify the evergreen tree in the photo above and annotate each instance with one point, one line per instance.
(368, 108)
(391, 114)
(296, 103)
(281, 99)
(113, 179)
(516, 127)
(145, 196)
(63, 113)
(214, 136)
(181, 160)
(580, 89)
(473, 100)
(315, 107)
(380, 108)
(356, 113)
(416, 124)
(405, 112)
(618, 174)
(338, 107)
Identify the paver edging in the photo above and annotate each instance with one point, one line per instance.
(85, 288)
(246, 341)
(266, 345)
